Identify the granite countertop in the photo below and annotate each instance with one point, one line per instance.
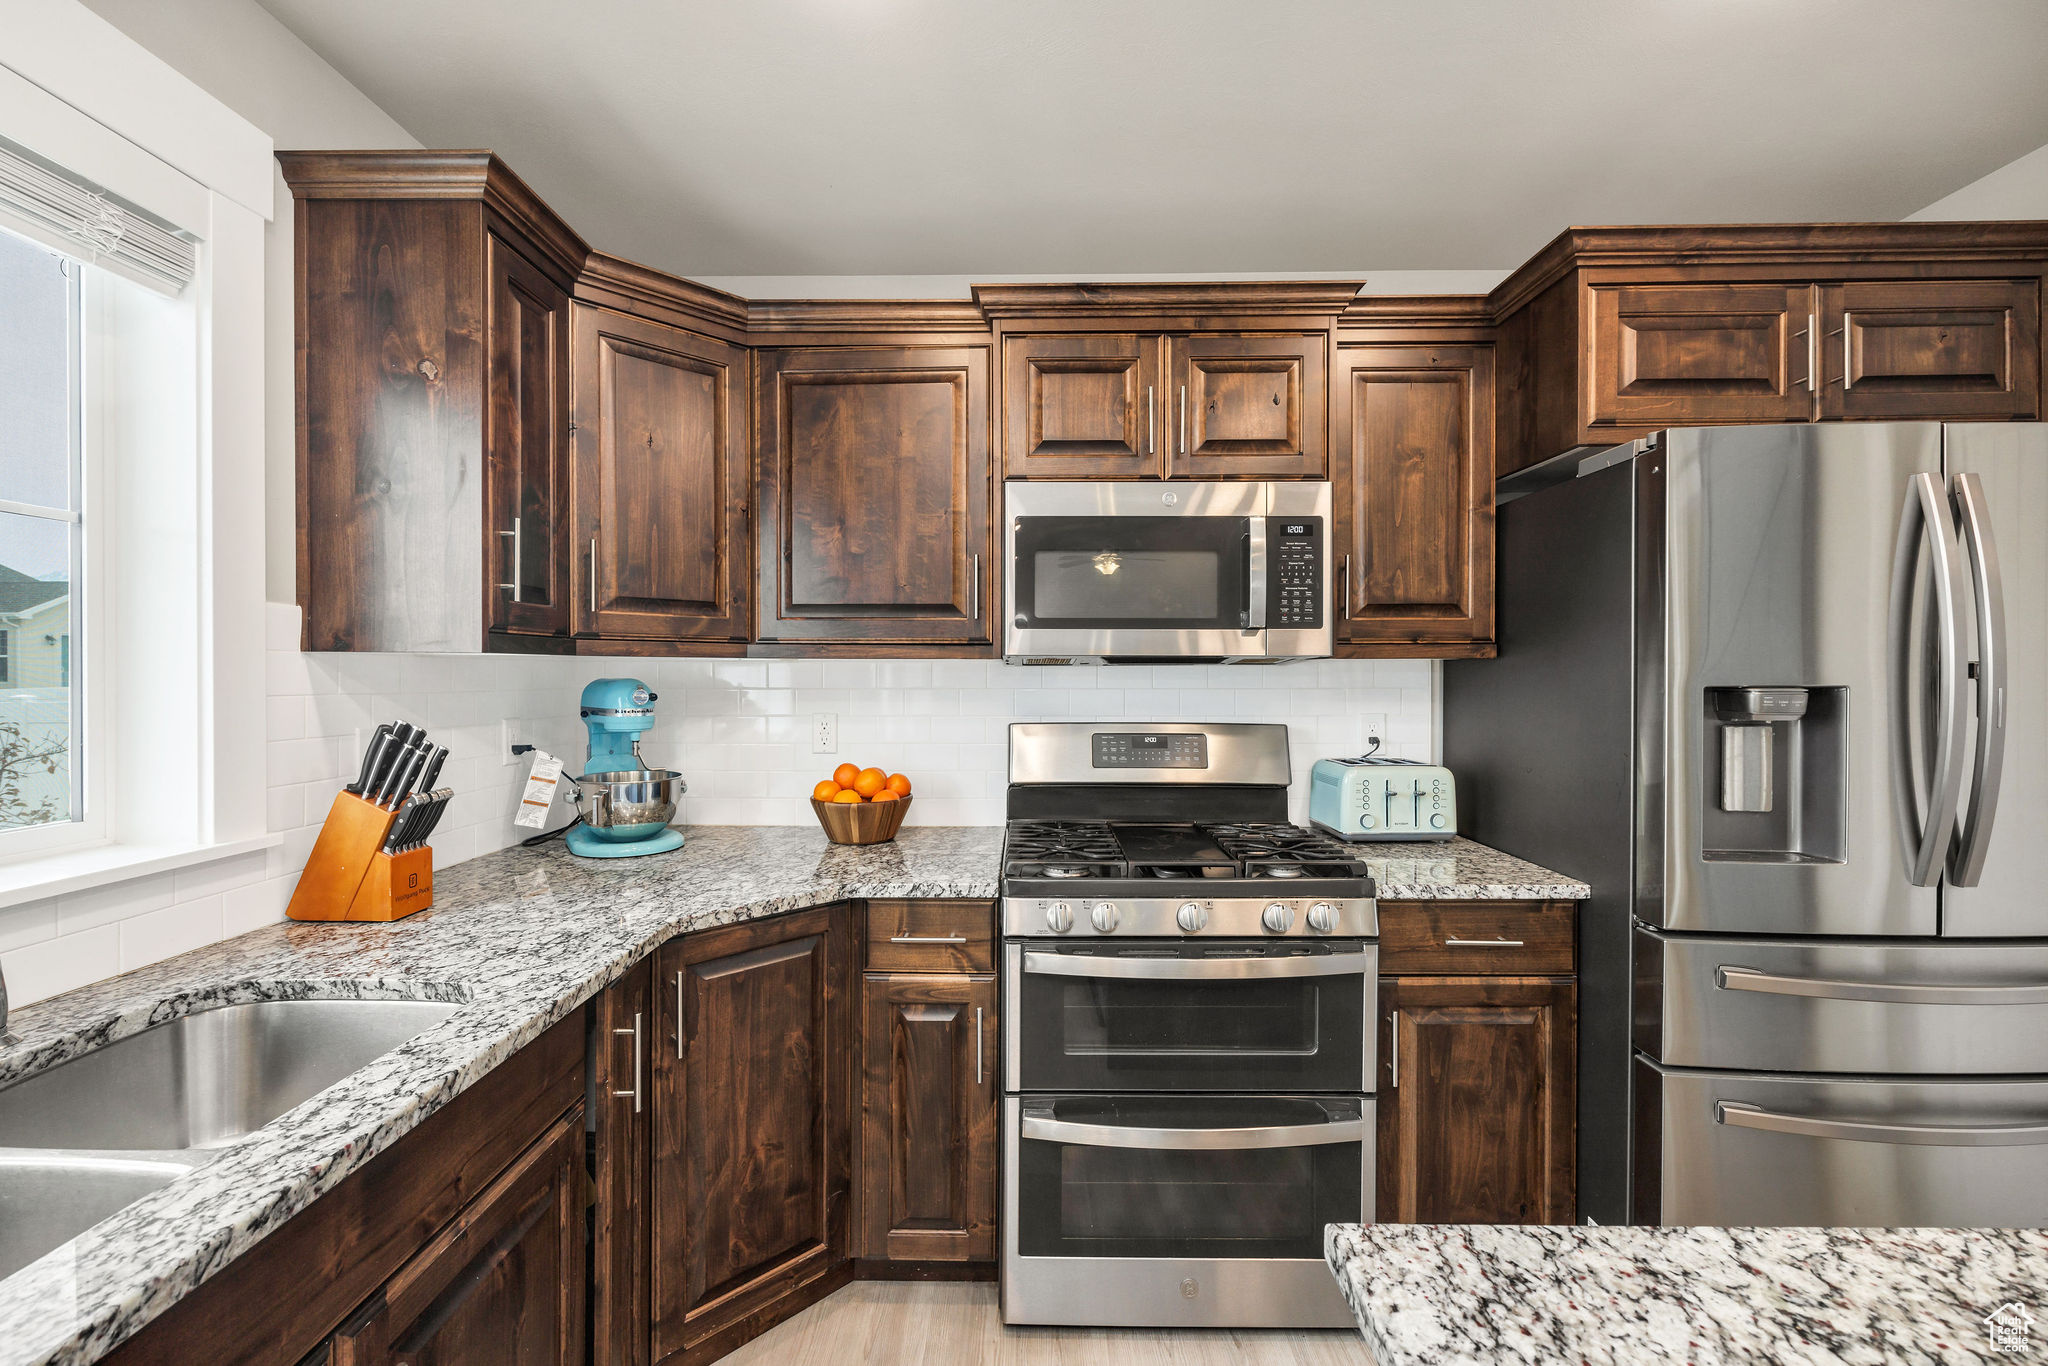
(519, 939)
(1452, 1294)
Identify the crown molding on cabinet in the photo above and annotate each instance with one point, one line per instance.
(1208, 298)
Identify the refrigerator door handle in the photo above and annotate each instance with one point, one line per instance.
(1731, 978)
(1966, 863)
(1924, 836)
(1744, 1116)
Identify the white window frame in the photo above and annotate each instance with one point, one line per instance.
(185, 746)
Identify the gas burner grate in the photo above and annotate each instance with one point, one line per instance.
(1285, 851)
(1061, 849)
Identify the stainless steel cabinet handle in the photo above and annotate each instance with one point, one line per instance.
(1197, 969)
(1395, 1032)
(679, 1016)
(1848, 349)
(974, 590)
(514, 534)
(635, 1032)
(1923, 836)
(1966, 863)
(593, 573)
(1743, 1116)
(1482, 943)
(1183, 419)
(1730, 978)
(977, 1045)
(1151, 422)
(1812, 350)
(927, 939)
(1191, 1140)
(1344, 600)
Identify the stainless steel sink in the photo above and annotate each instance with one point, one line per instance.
(49, 1198)
(208, 1078)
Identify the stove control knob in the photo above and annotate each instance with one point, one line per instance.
(1279, 917)
(1104, 916)
(1322, 917)
(1191, 916)
(1059, 917)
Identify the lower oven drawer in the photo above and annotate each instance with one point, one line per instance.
(1744, 1148)
(1183, 1209)
(1791, 1005)
(1173, 1015)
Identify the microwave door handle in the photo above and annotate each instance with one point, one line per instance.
(1255, 574)
(1191, 1140)
(1966, 864)
(1198, 969)
(1744, 1116)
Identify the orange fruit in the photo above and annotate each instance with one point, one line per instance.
(899, 784)
(845, 774)
(847, 795)
(870, 781)
(825, 791)
(885, 795)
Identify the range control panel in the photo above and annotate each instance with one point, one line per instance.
(1119, 749)
(1294, 550)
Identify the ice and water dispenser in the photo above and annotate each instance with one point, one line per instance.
(1776, 794)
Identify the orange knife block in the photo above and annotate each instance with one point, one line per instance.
(348, 875)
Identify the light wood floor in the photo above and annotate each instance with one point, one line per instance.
(952, 1323)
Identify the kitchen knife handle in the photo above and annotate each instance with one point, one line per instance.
(403, 774)
(372, 753)
(433, 769)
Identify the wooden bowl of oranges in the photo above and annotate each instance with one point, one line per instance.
(861, 805)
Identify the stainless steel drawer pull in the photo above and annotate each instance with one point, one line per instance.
(1482, 943)
(1744, 1116)
(927, 939)
(635, 1032)
(977, 1045)
(1892, 993)
(1191, 1140)
(1197, 969)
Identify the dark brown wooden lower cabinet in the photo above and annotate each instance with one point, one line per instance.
(928, 1119)
(751, 1169)
(502, 1284)
(1477, 1100)
(624, 1031)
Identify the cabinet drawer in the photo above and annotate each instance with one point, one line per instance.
(931, 936)
(1476, 938)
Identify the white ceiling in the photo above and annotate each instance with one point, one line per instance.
(997, 138)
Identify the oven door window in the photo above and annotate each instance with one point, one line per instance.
(1159, 573)
(1188, 1176)
(1219, 1016)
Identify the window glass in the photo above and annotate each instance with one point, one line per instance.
(39, 535)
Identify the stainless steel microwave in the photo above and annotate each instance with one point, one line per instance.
(1134, 571)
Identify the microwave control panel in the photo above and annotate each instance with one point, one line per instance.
(1294, 553)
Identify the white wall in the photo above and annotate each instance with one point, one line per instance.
(2018, 189)
(246, 59)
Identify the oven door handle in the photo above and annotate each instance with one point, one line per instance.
(1188, 1140)
(1198, 969)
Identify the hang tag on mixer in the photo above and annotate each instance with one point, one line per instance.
(540, 790)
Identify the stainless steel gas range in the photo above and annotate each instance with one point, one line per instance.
(1188, 1000)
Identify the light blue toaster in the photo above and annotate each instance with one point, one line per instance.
(1382, 799)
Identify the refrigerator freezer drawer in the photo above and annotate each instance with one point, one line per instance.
(1741, 1148)
(1789, 1005)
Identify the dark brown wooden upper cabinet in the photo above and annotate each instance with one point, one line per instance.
(1412, 497)
(661, 481)
(1082, 407)
(432, 334)
(1248, 407)
(873, 495)
(1665, 355)
(526, 445)
(1909, 348)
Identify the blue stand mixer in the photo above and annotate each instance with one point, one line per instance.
(625, 806)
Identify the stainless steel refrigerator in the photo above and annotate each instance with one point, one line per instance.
(1780, 694)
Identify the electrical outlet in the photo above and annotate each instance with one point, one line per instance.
(1375, 728)
(511, 732)
(825, 732)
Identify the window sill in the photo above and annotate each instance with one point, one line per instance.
(46, 875)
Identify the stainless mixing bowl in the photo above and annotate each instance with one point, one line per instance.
(629, 805)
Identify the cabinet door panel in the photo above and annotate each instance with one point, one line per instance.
(1932, 349)
(1413, 494)
(928, 1119)
(752, 1132)
(502, 1284)
(1082, 407)
(661, 481)
(1477, 1100)
(525, 446)
(1686, 354)
(874, 495)
(623, 1093)
(1249, 407)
